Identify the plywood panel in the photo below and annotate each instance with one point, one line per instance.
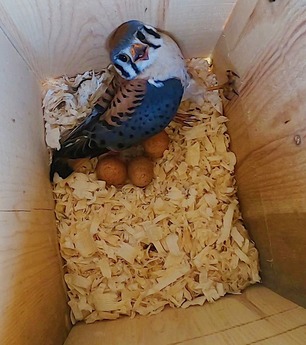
(24, 161)
(276, 329)
(32, 303)
(268, 52)
(57, 37)
(197, 24)
(295, 337)
(258, 314)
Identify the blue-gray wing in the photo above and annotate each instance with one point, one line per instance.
(143, 119)
(137, 111)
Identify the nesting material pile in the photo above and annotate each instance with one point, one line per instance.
(178, 242)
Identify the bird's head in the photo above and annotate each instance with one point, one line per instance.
(134, 47)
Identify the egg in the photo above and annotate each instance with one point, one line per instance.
(156, 145)
(140, 171)
(112, 170)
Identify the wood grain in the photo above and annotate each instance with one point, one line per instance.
(267, 50)
(265, 331)
(33, 302)
(256, 315)
(24, 161)
(197, 24)
(295, 337)
(32, 289)
(67, 37)
(265, 44)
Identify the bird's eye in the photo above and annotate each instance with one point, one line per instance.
(123, 57)
(141, 36)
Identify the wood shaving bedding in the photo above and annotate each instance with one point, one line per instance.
(178, 242)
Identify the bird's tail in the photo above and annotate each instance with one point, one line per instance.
(61, 166)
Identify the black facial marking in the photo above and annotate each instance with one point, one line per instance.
(141, 36)
(151, 32)
(135, 68)
(122, 70)
(143, 39)
(154, 46)
(130, 108)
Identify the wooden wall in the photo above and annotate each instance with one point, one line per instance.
(39, 39)
(265, 43)
(57, 37)
(32, 298)
(257, 316)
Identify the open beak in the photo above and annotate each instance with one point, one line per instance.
(139, 52)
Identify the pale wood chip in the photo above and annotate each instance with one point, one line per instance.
(180, 241)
